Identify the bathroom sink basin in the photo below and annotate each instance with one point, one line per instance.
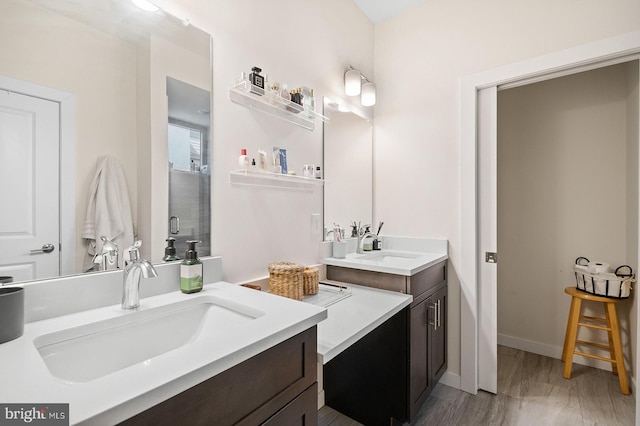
(90, 351)
(390, 257)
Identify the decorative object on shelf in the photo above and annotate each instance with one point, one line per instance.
(354, 86)
(257, 81)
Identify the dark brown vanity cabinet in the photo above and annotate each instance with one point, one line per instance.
(276, 387)
(427, 347)
(426, 325)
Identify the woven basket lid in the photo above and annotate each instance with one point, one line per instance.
(285, 267)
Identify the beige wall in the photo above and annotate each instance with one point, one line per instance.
(563, 182)
(420, 57)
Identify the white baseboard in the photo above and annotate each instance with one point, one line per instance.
(450, 379)
(321, 399)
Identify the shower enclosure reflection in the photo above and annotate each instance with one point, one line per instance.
(189, 162)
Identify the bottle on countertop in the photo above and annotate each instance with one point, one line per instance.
(170, 251)
(243, 160)
(191, 270)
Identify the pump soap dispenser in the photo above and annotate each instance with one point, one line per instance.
(170, 251)
(191, 270)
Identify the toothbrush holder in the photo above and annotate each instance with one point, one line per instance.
(339, 249)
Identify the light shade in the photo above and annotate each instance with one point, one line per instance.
(368, 94)
(352, 83)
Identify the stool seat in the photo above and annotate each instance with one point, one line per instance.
(609, 324)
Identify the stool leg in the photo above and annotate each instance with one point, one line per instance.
(572, 333)
(566, 334)
(617, 347)
(612, 352)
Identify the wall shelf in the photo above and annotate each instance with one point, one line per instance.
(273, 180)
(251, 96)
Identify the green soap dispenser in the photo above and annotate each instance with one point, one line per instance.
(170, 251)
(191, 270)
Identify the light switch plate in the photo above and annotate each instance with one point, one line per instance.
(316, 224)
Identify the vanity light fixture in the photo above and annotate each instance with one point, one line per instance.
(368, 94)
(146, 5)
(353, 86)
(352, 82)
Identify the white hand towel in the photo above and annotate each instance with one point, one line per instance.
(108, 211)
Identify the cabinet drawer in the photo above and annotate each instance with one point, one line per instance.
(301, 411)
(248, 393)
(373, 279)
(420, 283)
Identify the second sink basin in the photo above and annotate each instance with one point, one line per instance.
(390, 256)
(87, 352)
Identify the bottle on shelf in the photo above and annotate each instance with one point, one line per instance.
(243, 160)
(257, 81)
(242, 83)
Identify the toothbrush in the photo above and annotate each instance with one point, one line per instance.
(379, 228)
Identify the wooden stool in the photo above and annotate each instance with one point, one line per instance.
(611, 327)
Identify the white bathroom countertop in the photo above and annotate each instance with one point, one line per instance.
(354, 317)
(117, 396)
(401, 256)
(398, 266)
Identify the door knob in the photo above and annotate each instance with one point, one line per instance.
(47, 248)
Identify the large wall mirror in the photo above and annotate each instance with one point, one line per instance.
(348, 167)
(85, 79)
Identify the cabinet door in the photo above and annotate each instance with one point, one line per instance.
(438, 335)
(419, 380)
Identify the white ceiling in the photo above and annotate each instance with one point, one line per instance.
(379, 10)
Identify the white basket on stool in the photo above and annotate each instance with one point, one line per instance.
(616, 285)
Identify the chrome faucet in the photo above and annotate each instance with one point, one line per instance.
(107, 259)
(362, 233)
(134, 269)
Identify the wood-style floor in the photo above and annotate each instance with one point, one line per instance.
(531, 391)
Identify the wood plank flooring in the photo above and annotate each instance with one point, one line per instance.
(531, 391)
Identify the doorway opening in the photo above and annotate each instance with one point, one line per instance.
(566, 153)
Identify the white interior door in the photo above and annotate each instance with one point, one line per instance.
(487, 239)
(29, 185)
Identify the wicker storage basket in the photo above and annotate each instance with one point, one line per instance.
(310, 278)
(285, 279)
(616, 285)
